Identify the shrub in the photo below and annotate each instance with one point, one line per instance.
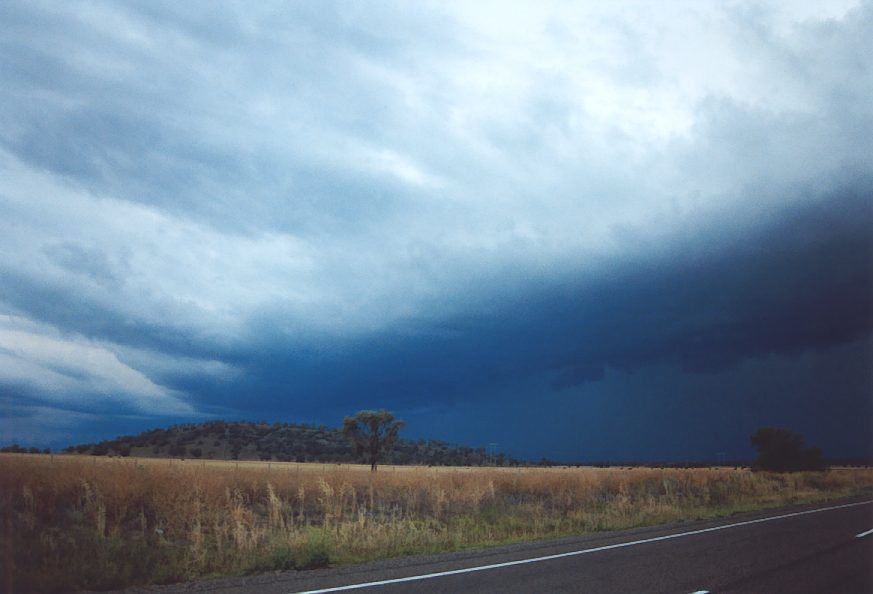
(781, 450)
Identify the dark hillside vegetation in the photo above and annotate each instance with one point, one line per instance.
(282, 442)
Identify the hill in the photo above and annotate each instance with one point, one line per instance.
(221, 440)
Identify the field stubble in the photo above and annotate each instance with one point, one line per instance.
(87, 523)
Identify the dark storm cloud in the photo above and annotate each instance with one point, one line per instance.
(659, 412)
(803, 284)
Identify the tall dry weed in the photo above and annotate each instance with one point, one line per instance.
(82, 523)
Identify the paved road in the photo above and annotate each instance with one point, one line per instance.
(813, 549)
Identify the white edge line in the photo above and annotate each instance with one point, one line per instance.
(428, 576)
(863, 534)
(701, 592)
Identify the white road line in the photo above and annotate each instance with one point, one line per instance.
(701, 592)
(428, 576)
(863, 534)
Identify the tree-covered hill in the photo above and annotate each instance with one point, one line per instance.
(221, 440)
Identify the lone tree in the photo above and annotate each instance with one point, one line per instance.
(371, 432)
(781, 450)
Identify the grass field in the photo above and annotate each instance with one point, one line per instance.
(98, 523)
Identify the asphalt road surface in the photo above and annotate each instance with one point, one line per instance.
(821, 549)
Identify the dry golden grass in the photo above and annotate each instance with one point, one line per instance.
(81, 522)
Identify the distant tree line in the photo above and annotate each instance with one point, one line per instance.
(779, 450)
(546, 462)
(284, 442)
(17, 449)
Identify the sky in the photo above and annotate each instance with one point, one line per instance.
(581, 231)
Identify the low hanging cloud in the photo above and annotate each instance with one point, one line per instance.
(802, 285)
(77, 373)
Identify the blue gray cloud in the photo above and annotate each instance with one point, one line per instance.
(294, 210)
